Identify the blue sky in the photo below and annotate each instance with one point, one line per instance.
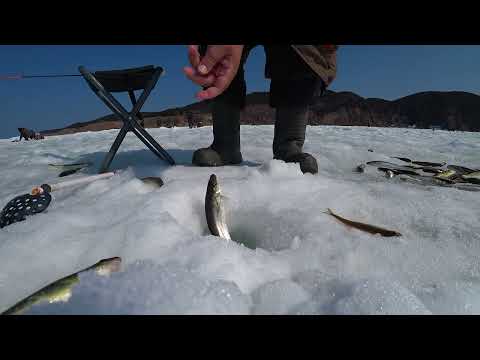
(381, 71)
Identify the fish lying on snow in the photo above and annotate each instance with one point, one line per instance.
(364, 227)
(431, 170)
(421, 163)
(461, 170)
(387, 164)
(215, 210)
(447, 175)
(61, 290)
(426, 163)
(472, 177)
(397, 169)
(404, 169)
(402, 158)
(433, 181)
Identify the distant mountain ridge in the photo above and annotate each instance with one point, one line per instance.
(450, 110)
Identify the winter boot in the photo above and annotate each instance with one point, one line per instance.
(225, 149)
(289, 137)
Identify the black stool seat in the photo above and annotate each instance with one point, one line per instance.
(125, 80)
(103, 83)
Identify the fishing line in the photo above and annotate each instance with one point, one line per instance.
(20, 76)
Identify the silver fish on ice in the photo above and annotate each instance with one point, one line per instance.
(215, 210)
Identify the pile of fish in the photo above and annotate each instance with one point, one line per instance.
(429, 173)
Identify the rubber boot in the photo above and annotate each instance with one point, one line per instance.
(225, 149)
(289, 137)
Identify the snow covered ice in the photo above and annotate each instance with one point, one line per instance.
(288, 256)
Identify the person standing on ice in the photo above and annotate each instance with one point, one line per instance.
(297, 73)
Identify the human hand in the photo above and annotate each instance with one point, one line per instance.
(215, 70)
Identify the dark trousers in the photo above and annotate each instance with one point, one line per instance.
(293, 82)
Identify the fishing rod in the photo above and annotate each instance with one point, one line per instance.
(21, 76)
(39, 199)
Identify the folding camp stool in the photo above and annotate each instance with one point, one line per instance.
(128, 80)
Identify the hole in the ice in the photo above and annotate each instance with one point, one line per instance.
(245, 237)
(257, 228)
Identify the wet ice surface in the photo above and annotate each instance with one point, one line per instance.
(288, 256)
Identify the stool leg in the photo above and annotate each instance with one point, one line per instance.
(149, 141)
(129, 119)
(134, 102)
(113, 150)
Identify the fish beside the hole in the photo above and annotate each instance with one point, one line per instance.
(364, 227)
(472, 177)
(61, 290)
(215, 211)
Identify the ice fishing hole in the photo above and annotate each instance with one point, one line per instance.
(257, 228)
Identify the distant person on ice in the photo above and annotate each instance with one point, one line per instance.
(297, 73)
(28, 134)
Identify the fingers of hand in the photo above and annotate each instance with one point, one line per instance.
(199, 79)
(213, 56)
(193, 55)
(220, 85)
(209, 93)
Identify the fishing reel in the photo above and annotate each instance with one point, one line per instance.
(25, 205)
